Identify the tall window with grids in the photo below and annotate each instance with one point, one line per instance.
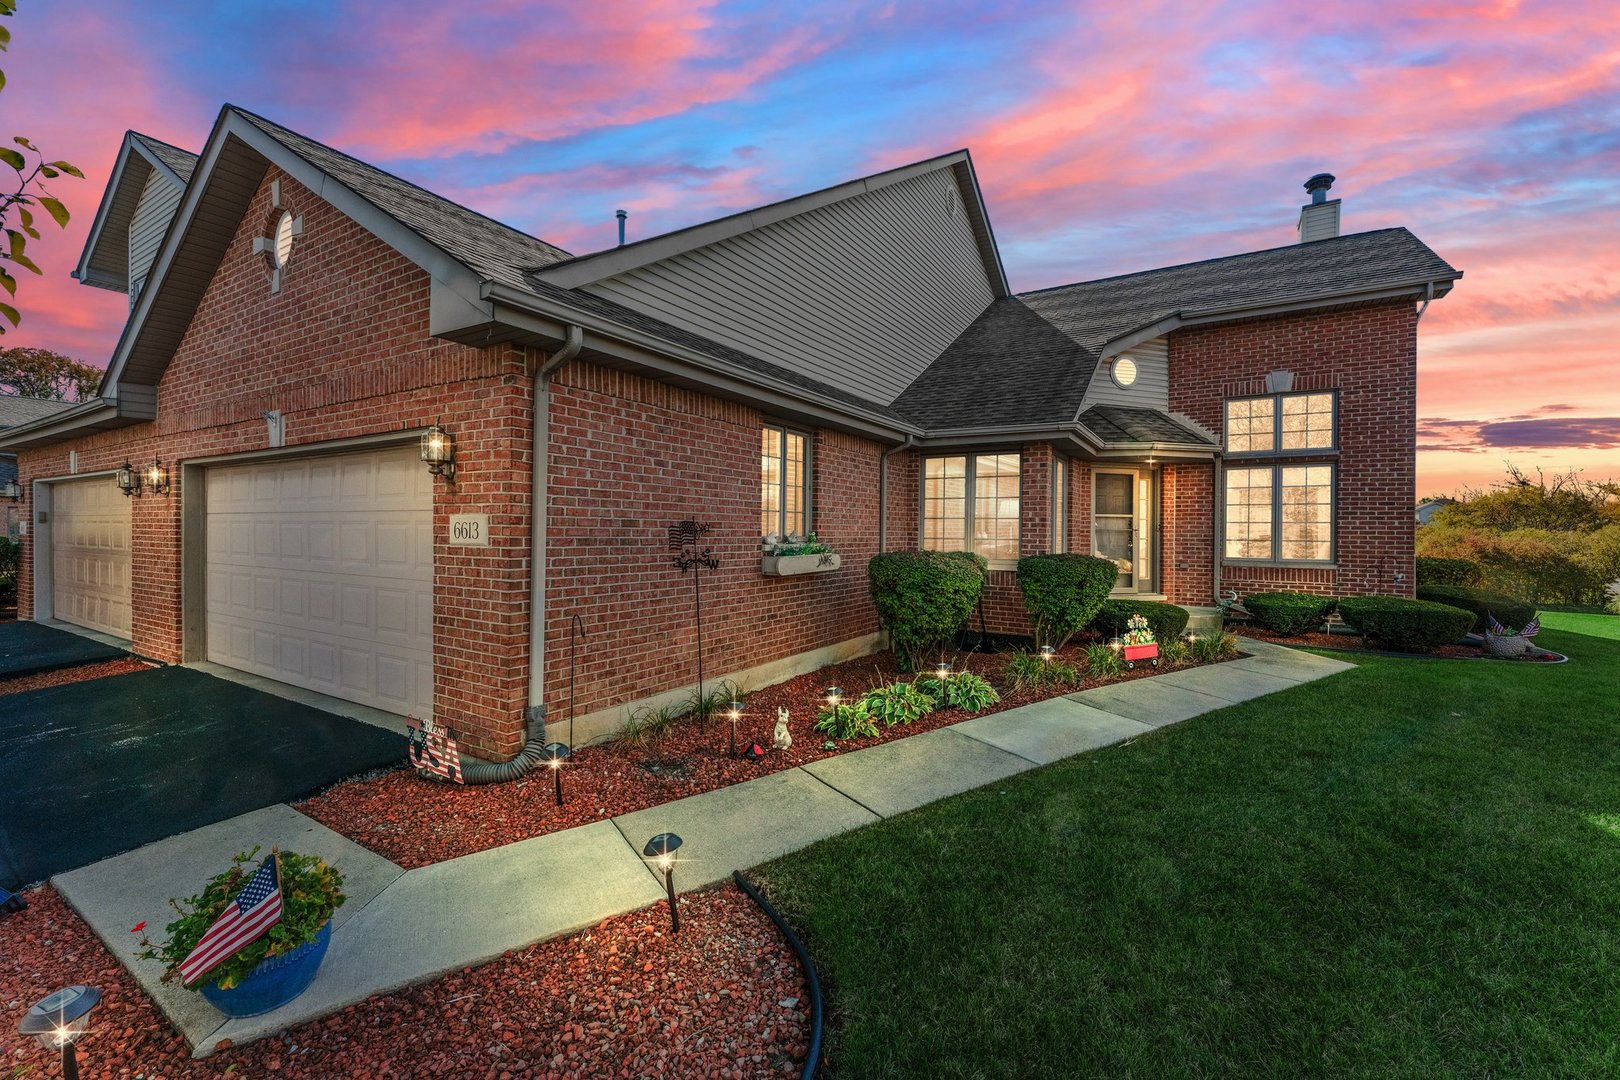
(784, 483)
(971, 503)
(1281, 511)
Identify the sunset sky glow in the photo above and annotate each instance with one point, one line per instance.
(1108, 138)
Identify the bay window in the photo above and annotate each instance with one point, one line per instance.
(970, 503)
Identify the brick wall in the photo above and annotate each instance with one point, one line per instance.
(1187, 513)
(628, 458)
(343, 350)
(1369, 355)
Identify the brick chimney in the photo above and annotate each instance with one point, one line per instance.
(1319, 218)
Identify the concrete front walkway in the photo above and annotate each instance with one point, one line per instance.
(400, 927)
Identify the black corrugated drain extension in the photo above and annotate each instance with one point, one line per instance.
(813, 1058)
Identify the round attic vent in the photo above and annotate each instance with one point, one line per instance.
(284, 239)
(1124, 371)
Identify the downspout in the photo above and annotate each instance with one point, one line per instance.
(883, 491)
(1217, 530)
(1428, 296)
(534, 715)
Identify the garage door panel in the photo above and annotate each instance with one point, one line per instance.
(340, 566)
(90, 555)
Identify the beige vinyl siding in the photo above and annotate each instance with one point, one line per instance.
(159, 201)
(1152, 387)
(863, 293)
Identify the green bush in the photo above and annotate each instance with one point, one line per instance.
(1166, 620)
(1288, 613)
(847, 721)
(1413, 625)
(923, 597)
(898, 704)
(963, 690)
(1482, 603)
(1062, 593)
(1436, 571)
(10, 558)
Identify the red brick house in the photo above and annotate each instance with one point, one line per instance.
(850, 362)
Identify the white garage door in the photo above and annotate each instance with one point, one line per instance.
(320, 574)
(90, 554)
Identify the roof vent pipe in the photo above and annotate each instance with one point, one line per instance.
(621, 215)
(1319, 218)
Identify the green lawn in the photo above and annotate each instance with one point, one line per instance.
(1603, 626)
(1410, 869)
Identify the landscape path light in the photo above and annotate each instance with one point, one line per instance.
(1047, 653)
(734, 713)
(942, 671)
(661, 850)
(58, 1020)
(1116, 644)
(556, 754)
(835, 694)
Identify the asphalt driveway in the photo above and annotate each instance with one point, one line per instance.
(27, 648)
(95, 768)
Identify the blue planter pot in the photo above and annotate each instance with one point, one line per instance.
(274, 982)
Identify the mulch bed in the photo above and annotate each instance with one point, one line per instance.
(1355, 643)
(724, 998)
(64, 676)
(415, 822)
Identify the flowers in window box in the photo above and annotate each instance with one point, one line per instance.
(785, 557)
(795, 545)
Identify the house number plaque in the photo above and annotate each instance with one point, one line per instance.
(469, 530)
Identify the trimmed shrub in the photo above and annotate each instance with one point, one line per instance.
(1413, 625)
(923, 597)
(1167, 620)
(1289, 613)
(1062, 593)
(1436, 571)
(1482, 603)
(10, 559)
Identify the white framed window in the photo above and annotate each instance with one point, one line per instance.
(970, 503)
(784, 482)
(1060, 504)
(1282, 423)
(1280, 513)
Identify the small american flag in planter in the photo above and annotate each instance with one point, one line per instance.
(254, 911)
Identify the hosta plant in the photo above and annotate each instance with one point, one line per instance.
(962, 690)
(898, 704)
(847, 720)
(310, 892)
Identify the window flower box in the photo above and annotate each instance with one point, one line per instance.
(793, 565)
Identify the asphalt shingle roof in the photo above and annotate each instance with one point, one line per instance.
(16, 411)
(496, 252)
(183, 162)
(1029, 359)
(1122, 424)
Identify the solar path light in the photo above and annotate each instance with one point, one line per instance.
(661, 850)
(556, 754)
(58, 1020)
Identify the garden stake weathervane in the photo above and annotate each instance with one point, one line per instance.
(683, 541)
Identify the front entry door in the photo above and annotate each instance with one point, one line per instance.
(1116, 527)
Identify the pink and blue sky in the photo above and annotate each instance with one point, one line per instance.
(1108, 138)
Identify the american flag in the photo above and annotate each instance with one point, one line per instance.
(255, 910)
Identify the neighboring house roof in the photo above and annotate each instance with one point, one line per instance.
(1430, 507)
(16, 410)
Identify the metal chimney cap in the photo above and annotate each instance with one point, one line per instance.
(622, 214)
(1318, 186)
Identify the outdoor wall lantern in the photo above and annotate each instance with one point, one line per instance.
(439, 452)
(734, 713)
(58, 1020)
(157, 478)
(556, 754)
(661, 849)
(12, 491)
(129, 481)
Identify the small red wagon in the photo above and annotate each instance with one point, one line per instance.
(1148, 652)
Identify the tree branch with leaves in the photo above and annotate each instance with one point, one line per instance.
(18, 200)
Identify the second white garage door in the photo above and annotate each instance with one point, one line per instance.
(320, 574)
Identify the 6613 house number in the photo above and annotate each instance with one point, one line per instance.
(469, 530)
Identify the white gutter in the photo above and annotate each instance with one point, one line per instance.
(538, 481)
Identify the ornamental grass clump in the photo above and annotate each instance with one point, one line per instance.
(1104, 663)
(1213, 648)
(1289, 613)
(1026, 671)
(1062, 593)
(923, 597)
(311, 891)
(900, 703)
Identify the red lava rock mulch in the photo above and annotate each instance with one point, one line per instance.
(127, 666)
(1355, 643)
(415, 822)
(723, 998)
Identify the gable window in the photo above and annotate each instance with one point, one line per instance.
(970, 503)
(784, 482)
(1281, 424)
(1280, 513)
